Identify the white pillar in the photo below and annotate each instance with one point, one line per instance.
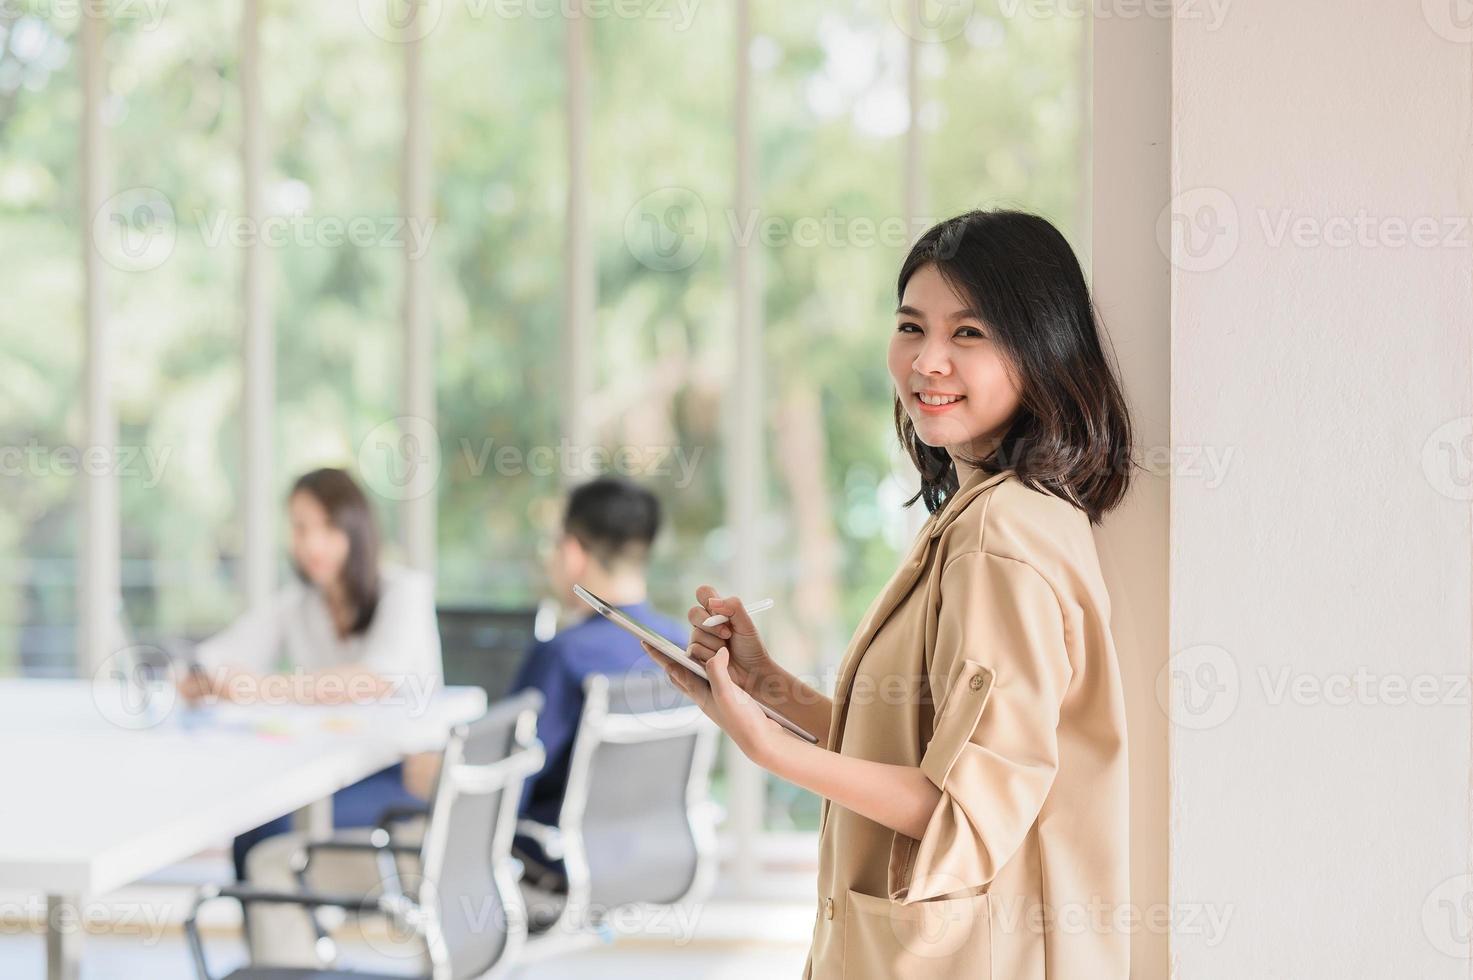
(1321, 590)
(1132, 290)
(419, 511)
(258, 336)
(99, 594)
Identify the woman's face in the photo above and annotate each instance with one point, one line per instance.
(952, 379)
(319, 548)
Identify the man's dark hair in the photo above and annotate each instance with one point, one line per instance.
(614, 519)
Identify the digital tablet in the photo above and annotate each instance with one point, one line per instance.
(672, 651)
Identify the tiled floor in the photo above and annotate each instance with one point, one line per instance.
(725, 937)
(109, 958)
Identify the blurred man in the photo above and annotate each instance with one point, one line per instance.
(608, 530)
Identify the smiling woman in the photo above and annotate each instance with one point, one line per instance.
(982, 797)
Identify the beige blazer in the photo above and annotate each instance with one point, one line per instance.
(987, 661)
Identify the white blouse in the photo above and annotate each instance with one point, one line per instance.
(403, 637)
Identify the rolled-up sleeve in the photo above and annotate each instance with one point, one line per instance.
(998, 676)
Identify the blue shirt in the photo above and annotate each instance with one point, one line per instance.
(557, 667)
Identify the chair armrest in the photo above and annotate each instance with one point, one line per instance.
(401, 813)
(549, 838)
(358, 845)
(378, 845)
(387, 905)
(246, 894)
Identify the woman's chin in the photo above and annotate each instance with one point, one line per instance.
(940, 433)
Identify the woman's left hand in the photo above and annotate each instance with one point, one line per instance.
(725, 703)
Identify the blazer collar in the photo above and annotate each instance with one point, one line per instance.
(965, 494)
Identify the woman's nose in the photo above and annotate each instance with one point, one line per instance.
(932, 360)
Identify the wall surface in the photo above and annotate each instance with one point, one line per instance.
(1322, 344)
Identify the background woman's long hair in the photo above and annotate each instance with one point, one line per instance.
(349, 511)
(1071, 435)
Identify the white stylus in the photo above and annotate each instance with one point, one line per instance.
(755, 607)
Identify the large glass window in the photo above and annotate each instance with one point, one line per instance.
(497, 124)
(336, 238)
(171, 291)
(40, 339)
(1000, 123)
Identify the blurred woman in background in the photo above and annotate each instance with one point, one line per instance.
(350, 628)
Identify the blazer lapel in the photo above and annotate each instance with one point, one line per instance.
(900, 586)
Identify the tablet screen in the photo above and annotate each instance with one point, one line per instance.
(674, 652)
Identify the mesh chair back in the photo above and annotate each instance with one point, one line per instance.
(646, 754)
(476, 918)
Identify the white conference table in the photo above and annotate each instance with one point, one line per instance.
(98, 794)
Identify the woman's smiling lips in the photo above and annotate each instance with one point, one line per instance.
(954, 401)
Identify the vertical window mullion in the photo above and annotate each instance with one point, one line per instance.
(258, 336)
(100, 594)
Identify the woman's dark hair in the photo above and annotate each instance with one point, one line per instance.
(1071, 435)
(348, 511)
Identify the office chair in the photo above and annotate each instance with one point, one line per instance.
(636, 825)
(467, 909)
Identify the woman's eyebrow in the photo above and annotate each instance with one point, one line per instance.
(967, 314)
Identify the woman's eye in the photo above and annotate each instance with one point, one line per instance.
(908, 327)
(970, 332)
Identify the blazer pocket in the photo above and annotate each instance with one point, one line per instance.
(942, 937)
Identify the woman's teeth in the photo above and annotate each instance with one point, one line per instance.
(939, 399)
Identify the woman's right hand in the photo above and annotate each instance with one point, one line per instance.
(750, 662)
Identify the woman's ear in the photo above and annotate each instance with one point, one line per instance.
(574, 557)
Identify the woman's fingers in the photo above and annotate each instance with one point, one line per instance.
(659, 657)
(722, 686)
(716, 634)
(703, 651)
(732, 608)
(687, 683)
